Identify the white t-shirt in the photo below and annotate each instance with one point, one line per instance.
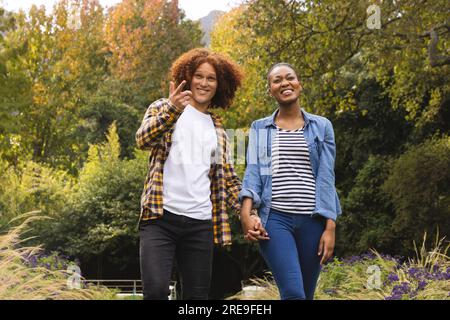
(186, 184)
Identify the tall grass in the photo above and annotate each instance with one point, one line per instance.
(374, 276)
(19, 281)
(267, 290)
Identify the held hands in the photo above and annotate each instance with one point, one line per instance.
(180, 99)
(253, 229)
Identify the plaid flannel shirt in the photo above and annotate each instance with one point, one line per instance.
(155, 135)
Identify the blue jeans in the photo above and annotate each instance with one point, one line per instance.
(291, 252)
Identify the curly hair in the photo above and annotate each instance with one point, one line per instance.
(229, 74)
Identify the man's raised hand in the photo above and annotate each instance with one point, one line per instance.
(180, 99)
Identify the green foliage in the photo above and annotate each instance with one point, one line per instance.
(100, 111)
(52, 67)
(372, 127)
(68, 75)
(32, 186)
(419, 186)
(333, 50)
(102, 213)
(368, 213)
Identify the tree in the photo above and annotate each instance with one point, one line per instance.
(333, 50)
(144, 37)
(232, 37)
(57, 65)
(371, 128)
(100, 111)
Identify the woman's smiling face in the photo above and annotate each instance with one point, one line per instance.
(284, 85)
(204, 84)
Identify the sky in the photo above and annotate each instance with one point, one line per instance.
(194, 9)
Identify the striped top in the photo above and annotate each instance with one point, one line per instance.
(293, 183)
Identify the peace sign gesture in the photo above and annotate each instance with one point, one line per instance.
(180, 99)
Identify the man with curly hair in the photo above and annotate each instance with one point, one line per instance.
(190, 179)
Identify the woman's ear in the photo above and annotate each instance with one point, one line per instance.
(268, 90)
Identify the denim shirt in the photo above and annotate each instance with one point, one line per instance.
(257, 184)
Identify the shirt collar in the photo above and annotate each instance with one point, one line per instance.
(271, 120)
(217, 120)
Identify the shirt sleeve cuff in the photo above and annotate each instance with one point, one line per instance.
(248, 193)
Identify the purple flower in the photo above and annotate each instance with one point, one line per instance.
(352, 260)
(414, 272)
(368, 256)
(394, 297)
(422, 284)
(429, 276)
(401, 289)
(330, 291)
(392, 277)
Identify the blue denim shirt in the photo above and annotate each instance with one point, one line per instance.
(257, 184)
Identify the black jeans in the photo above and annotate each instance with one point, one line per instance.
(190, 242)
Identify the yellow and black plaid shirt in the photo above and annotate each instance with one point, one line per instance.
(155, 135)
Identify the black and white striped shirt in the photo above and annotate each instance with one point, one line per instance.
(293, 183)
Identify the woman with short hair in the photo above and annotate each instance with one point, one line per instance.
(290, 179)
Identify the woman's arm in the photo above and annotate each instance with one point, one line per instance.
(252, 183)
(251, 191)
(327, 203)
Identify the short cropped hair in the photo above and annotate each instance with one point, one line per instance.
(280, 64)
(229, 74)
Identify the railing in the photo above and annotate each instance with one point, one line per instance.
(129, 287)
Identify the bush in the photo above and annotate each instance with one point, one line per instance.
(367, 212)
(32, 186)
(100, 218)
(419, 187)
